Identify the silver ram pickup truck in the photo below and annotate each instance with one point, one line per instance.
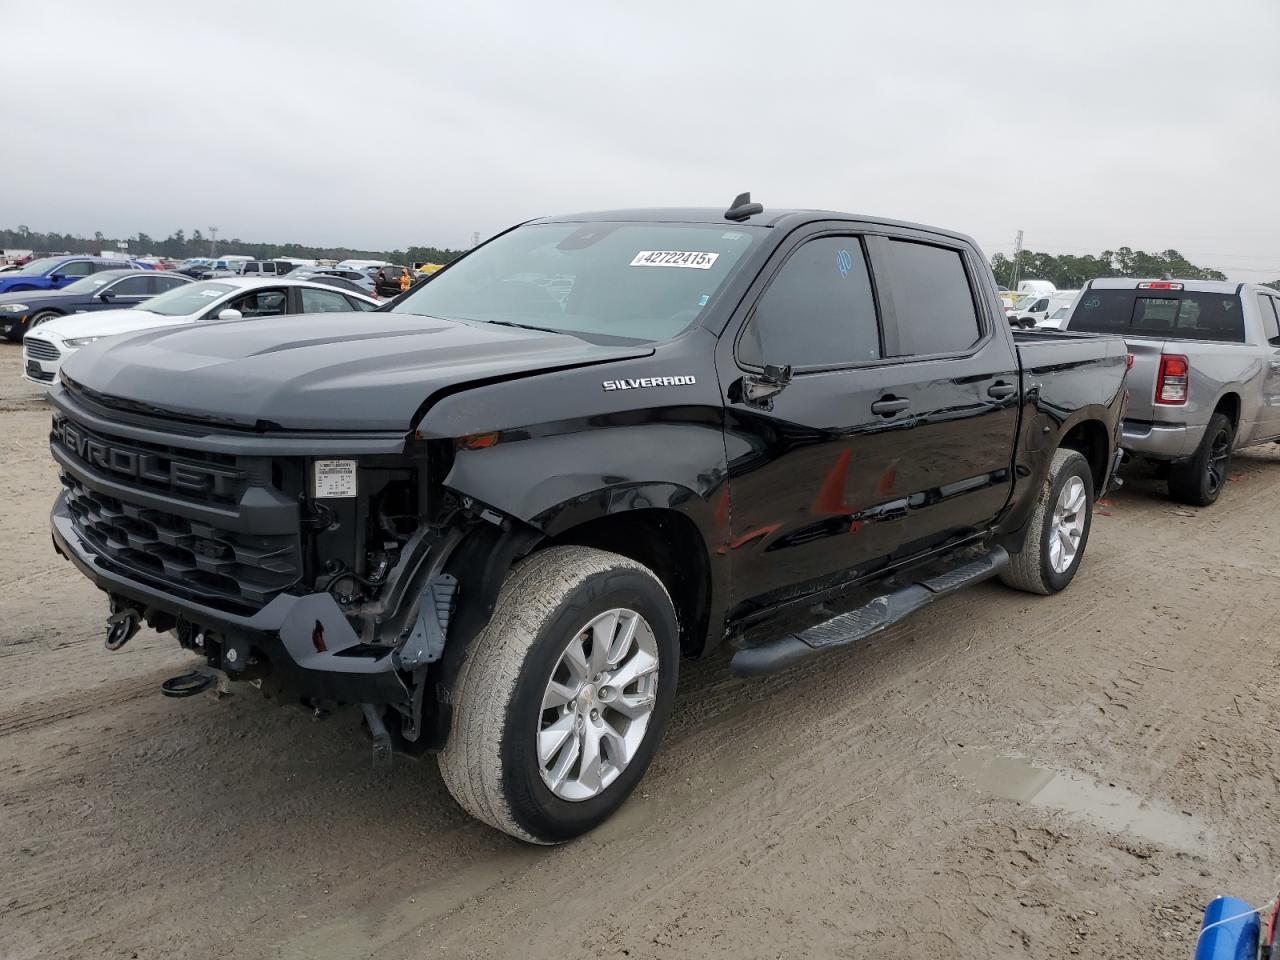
(1206, 372)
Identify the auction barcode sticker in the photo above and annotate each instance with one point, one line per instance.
(694, 259)
(335, 478)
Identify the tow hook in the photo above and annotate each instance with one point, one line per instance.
(187, 684)
(121, 626)
(381, 738)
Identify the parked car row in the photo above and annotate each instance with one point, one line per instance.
(23, 310)
(233, 298)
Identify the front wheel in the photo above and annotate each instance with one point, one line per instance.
(1058, 529)
(562, 699)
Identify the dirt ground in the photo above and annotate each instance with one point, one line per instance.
(1002, 776)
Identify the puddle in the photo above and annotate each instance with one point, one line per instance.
(1111, 808)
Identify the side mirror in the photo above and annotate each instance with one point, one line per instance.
(56, 277)
(105, 296)
(230, 314)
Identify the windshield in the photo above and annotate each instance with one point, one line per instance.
(1168, 314)
(92, 282)
(187, 299)
(38, 268)
(1059, 313)
(631, 281)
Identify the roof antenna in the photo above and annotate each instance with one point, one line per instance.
(742, 208)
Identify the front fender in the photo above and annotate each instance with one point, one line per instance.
(556, 482)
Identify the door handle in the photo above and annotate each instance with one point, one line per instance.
(998, 391)
(889, 405)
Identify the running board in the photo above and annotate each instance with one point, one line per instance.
(866, 621)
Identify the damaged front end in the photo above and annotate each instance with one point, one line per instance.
(323, 570)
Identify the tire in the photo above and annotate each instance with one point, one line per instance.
(1035, 568)
(41, 316)
(1199, 481)
(491, 762)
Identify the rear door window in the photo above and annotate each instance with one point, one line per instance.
(160, 283)
(818, 310)
(931, 296)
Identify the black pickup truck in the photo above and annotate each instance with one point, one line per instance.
(494, 514)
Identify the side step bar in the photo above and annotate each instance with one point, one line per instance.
(849, 628)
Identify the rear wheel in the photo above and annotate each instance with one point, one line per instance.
(1199, 481)
(561, 701)
(1058, 529)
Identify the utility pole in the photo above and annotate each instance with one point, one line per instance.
(1017, 261)
(475, 238)
(213, 241)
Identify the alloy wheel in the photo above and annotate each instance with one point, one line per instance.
(1068, 525)
(1219, 454)
(597, 704)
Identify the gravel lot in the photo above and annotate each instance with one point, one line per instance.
(875, 803)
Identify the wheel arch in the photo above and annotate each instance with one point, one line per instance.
(1091, 440)
(1230, 404)
(665, 541)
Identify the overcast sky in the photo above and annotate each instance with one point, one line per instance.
(1088, 125)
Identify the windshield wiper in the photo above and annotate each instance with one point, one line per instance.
(523, 326)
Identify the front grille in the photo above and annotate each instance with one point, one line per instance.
(40, 349)
(204, 526)
(216, 567)
(188, 474)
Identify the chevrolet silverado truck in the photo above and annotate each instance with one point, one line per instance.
(1206, 372)
(492, 516)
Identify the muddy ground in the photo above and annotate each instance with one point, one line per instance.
(875, 803)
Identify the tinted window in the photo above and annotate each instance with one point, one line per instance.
(76, 268)
(1270, 322)
(162, 283)
(323, 301)
(360, 304)
(132, 287)
(931, 297)
(1172, 314)
(817, 311)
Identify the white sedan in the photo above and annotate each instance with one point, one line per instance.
(232, 298)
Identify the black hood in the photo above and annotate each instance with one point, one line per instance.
(26, 296)
(330, 371)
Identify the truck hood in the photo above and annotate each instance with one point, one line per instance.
(331, 371)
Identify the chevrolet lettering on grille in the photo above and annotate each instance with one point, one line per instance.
(143, 465)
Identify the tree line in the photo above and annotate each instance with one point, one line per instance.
(1070, 272)
(179, 246)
